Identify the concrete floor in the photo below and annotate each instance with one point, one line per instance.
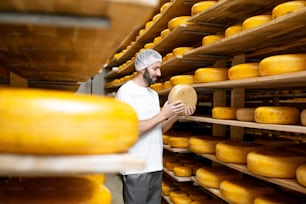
(114, 184)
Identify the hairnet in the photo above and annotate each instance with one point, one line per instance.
(146, 58)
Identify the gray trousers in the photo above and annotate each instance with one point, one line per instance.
(142, 188)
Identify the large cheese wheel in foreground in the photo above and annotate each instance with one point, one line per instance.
(224, 113)
(287, 7)
(61, 190)
(277, 115)
(301, 174)
(255, 21)
(211, 177)
(281, 64)
(303, 117)
(235, 152)
(55, 122)
(204, 145)
(245, 114)
(274, 163)
(201, 6)
(182, 79)
(242, 191)
(184, 93)
(204, 75)
(243, 71)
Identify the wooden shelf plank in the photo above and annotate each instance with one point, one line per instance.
(287, 183)
(178, 150)
(178, 179)
(32, 165)
(286, 128)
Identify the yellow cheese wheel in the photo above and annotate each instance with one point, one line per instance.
(224, 113)
(303, 117)
(177, 21)
(167, 85)
(148, 24)
(149, 45)
(210, 39)
(165, 139)
(156, 17)
(198, 195)
(204, 145)
(56, 122)
(179, 51)
(183, 199)
(157, 40)
(49, 190)
(157, 86)
(255, 21)
(211, 177)
(301, 174)
(235, 152)
(274, 163)
(203, 75)
(278, 198)
(287, 7)
(283, 115)
(168, 57)
(181, 79)
(171, 164)
(202, 6)
(178, 142)
(165, 6)
(281, 64)
(182, 171)
(232, 30)
(242, 191)
(184, 93)
(243, 71)
(164, 33)
(245, 114)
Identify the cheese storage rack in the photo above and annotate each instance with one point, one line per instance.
(283, 35)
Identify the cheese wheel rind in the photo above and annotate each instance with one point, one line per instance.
(224, 113)
(184, 93)
(245, 114)
(210, 39)
(287, 7)
(201, 6)
(232, 30)
(243, 71)
(301, 174)
(204, 75)
(255, 21)
(182, 171)
(182, 79)
(177, 21)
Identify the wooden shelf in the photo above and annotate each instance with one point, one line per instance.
(178, 179)
(178, 150)
(286, 183)
(273, 33)
(128, 69)
(286, 128)
(32, 165)
(233, 11)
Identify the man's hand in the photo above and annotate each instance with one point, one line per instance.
(170, 109)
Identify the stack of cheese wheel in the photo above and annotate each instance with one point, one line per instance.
(178, 21)
(243, 191)
(255, 21)
(244, 71)
(204, 75)
(224, 113)
(277, 198)
(301, 174)
(303, 117)
(245, 114)
(281, 64)
(235, 152)
(275, 163)
(211, 177)
(282, 115)
(210, 39)
(182, 171)
(181, 79)
(287, 7)
(88, 124)
(204, 144)
(202, 6)
(232, 30)
(179, 51)
(49, 190)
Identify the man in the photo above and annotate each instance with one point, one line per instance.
(144, 187)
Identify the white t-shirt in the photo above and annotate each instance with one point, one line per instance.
(149, 146)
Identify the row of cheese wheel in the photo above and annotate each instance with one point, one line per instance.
(60, 190)
(283, 115)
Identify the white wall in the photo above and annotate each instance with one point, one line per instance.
(93, 86)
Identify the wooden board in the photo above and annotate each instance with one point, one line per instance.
(40, 50)
(55, 85)
(178, 150)
(31, 165)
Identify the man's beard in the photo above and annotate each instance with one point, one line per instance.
(147, 78)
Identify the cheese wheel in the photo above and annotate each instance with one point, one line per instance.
(281, 64)
(182, 79)
(157, 87)
(211, 177)
(235, 152)
(202, 6)
(157, 40)
(56, 122)
(203, 75)
(49, 190)
(168, 57)
(179, 51)
(210, 39)
(165, 6)
(204, 145)
(274, 163)
(178, 142)
(184, 93)
(301, 174)
(242, 191)
(183, 199)
(255, 21)
(245, 114)
(232, 30)
(167, 85)
(148, 24)
(156, 17)
(287, 7)
(171, 164)
(243, 71)
(278, 198)
(165, 139)
(164, 33)
(182, 171)
(177, 21)
(303, 117)
(224, 113)
(277, 115)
